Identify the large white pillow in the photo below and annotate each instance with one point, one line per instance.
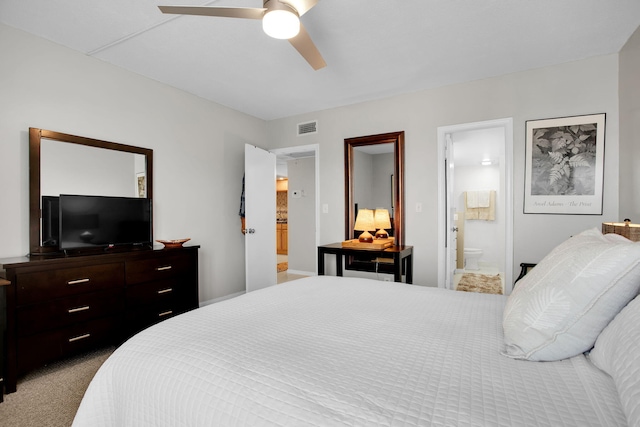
(617, 352)
(558, 310)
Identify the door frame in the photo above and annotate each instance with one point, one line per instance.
(443, 235)
(316, 150)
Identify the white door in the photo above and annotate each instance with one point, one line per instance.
(260, 217)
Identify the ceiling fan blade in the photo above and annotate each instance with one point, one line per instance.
(226, 12)
(302, 6)
(303, 44)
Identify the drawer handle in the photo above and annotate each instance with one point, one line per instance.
(77, 282)
(165, 313)
(78, 338)
(164, 291)
(168, 267)
(75, 310)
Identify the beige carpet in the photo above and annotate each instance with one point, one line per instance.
(283, 266)
(484, 283)
(50, 396)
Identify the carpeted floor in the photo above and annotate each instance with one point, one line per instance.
(484, 283)
(50, 396)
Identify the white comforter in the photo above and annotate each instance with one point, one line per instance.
(336, 351)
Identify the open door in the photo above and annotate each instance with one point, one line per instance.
(260, 218)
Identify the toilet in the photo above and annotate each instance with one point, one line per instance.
(471, 257)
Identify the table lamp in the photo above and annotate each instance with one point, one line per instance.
(382, 222)
(364, 222)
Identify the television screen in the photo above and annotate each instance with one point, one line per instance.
(94, 221)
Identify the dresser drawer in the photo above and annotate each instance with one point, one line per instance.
(153, 292)
(158, 268)
(36, 350)
(45, 285)
(150, 314)
(67, 311)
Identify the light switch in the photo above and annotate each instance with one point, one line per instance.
(325, 208)
(418, 207)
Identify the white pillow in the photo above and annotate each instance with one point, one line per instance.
(617, 352)
(558, 310)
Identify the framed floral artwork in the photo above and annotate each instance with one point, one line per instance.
(564, 165)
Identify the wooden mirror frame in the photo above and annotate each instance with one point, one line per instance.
(35, 137)
(397, 139)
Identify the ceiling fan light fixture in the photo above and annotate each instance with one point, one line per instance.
(280, 21)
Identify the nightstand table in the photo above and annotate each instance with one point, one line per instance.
(402, 256)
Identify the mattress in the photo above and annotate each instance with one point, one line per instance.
(328, 351)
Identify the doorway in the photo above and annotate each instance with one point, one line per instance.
(475, 191)
(297, 215)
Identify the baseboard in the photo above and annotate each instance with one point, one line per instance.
(302, 273)
(215, 300)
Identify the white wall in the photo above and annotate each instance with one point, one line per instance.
(581, 87)
(629, 89)
(198, 147)
(302, 215)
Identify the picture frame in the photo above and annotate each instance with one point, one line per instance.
(564, 165)
(141, 184)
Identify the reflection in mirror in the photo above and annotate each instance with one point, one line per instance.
(374, 178)
(68, 164)
(77, 169)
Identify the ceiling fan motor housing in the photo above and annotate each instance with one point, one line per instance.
(280, 21)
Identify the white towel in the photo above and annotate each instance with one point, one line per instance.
(484, 198)
(472, 199)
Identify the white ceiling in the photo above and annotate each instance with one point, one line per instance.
(373, 48)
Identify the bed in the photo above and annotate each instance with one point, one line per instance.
(327, 351)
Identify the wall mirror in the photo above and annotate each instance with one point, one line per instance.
(67, 164)
(374, 178)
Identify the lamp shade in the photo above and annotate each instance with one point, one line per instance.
(280, 21)
(381, 222)
(365, 222)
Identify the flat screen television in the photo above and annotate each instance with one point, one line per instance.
(101, 221)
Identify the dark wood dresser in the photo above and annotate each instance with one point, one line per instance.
(56, 307)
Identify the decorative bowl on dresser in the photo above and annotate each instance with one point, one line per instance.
(59, 306)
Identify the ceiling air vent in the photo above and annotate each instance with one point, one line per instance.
(307, 128)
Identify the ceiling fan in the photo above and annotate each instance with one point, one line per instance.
(280, 19)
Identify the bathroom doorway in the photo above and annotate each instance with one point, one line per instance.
(475, 181)
(296, 211)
